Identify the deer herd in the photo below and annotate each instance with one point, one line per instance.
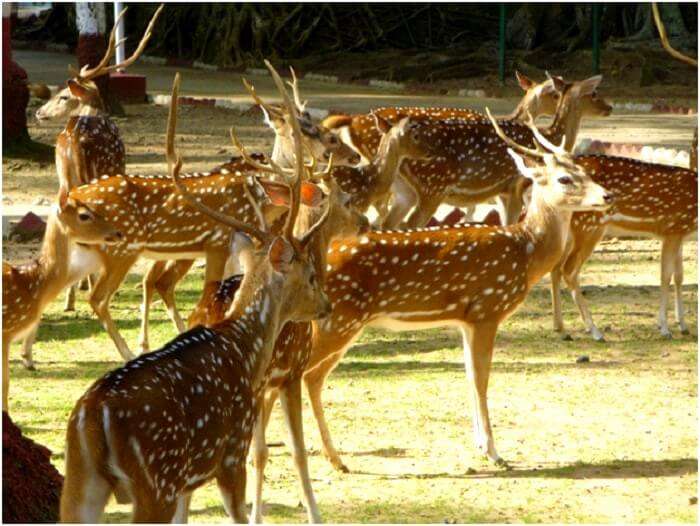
(314, 272)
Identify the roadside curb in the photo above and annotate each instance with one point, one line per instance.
(659, 155)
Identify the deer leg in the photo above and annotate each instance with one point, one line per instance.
(314, 380)
(405, 198)
(148, 282)
(165, 285)
(85, 492)
(261, 452)
(424, 210)
(678, 285)
(291, 405)
(27, 345)
(6, 341)
(231, 482)
(555, 289)
(69, 305)
(108, 282)
(584, 244)
(478, 343)
(183, 509)
(669, 249)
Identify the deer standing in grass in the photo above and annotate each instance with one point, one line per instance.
(650, 199)
(293, 345)
(65, 257)
(167, 422)
(470, 164)
(471, 277)
(90, 144)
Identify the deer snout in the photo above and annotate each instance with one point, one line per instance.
(364, 225)
(325, 309)
(114, 238)
(608, 198)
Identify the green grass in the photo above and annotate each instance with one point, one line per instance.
(613, 440)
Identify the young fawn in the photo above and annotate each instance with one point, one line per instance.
(293, 345)
(65, 257)
(471, 277)
(90, 144)
(650, 199)
(169, 421)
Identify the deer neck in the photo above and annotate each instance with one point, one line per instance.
(527, 104)
(566, 123)
(547, 230)
(387, 161)
(257, 310)
(52, 270)
(92, 109)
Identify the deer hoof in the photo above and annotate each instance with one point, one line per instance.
(29, 366)
(503, 464)
(685, 332)
(567, 337)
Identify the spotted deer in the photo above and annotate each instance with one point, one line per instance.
(472, 277)
(90, 145)
(163, 276)
(156, 429)
(293, 345)
(159, 224)
(65, 257)
(470, 164)
(650, 199)
(369, 184)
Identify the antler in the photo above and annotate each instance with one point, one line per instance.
(510, 142)
(295, 185)
(664, 39)
(301, 106)
(541, 139)
(254, 94)
(102, 68)
(172, 157)
(271, 167)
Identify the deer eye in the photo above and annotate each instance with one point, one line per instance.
(83, 216)
(63, 97)
(312, 279)
(565, 181)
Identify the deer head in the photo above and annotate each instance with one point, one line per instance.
(407, 135)
(321, 142)
(82, 225)
(584, 94)
(557, 181)
(268, 259)
(81, 96)
(540, 98)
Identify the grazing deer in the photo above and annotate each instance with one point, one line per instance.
(650, 199)
(167, 422)
(293, 345)
(471, 277)
(470, 164)
(90, 144)
(65, 257)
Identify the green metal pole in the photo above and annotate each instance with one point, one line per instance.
(502, 44)
(595, 23)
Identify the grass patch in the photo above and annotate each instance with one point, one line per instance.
(613, 440)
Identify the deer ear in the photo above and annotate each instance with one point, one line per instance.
(277, 192)
(281, 254)
(62, 197)
(557, 82)
(381, 123)
(78, 90)
(591, 84)
(525, 82)
(311, 194)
